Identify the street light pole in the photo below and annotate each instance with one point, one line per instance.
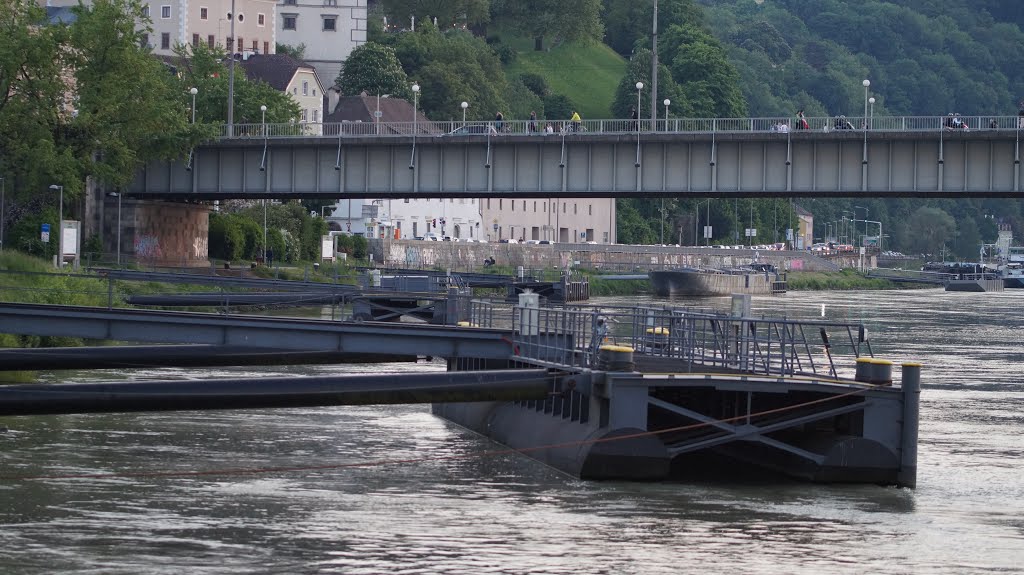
(3, 197)
(464, 106)
(666, 101)
(415, 107)
(60, 226)
(871, 112)
(855, 208)
(193, 91)
(864, 160)
(654, 68)
(231, 76)
(639, 88)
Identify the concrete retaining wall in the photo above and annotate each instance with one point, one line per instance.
(614, 258)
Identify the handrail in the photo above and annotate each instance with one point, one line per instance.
(564, 128)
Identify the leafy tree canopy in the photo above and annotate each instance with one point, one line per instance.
(565, 19)
(375, 69)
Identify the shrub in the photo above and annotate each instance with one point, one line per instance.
(536, 83)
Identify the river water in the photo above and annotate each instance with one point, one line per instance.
(507, 514)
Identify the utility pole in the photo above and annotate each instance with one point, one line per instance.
(654, 70)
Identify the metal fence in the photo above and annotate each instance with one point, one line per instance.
(557, 128)
(768, 346)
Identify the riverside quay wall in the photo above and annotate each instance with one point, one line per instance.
(418, 254)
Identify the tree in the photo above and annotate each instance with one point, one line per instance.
(931, 228)
(449, 13)
(297, 52)
(129, 110)
(566, 19)
(203, 68)
(33, 108)
(639, 70)
(453, 67)
(375, 69)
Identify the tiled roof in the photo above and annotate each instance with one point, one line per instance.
(361, 109)
(274, 69)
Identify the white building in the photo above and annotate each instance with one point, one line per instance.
(297, 79)
(191, 22)
(407, 219)
(330, 30)
(563, 220)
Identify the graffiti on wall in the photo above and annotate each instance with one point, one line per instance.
(148, 247)
(200, 248)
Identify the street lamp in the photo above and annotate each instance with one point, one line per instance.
(263, 120)
(855, 208)
(193, 91)
(871, 111)
(666, 101)
(866, 84)
(231, 76)
(464, 106)
(60, 226)
(639, 88)
(3, 185)
(415, 107)
(118, 196)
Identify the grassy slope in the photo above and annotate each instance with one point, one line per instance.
(586, 72)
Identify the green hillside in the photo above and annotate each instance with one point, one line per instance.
(585, 71)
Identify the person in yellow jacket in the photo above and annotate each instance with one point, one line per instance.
(576, 121)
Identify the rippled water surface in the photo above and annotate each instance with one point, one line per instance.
(445, 510)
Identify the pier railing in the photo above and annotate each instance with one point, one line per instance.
(701, 339)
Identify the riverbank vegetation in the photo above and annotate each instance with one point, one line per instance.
(842, 280)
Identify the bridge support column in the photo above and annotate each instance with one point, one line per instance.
(160, 233)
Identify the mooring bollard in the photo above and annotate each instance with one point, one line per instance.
(616, 358)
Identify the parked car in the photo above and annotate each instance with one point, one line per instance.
(431, 237)
(508, 241)
(474, 129)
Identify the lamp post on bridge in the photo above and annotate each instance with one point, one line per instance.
(666, 101)
(639, 89)
(464, 105)
(415, 113)
(193, 91)
(263, 128)
(871, 112)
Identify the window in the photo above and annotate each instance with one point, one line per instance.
(211, 41)
(204, 13)
(261, 19)
(295, 91)
(513, 202)
(305, 88)
(289, 22)
(500, 202)
(241, 17)
(255, 46)
(165, 12)
(230, 45)
(305, 115)
(241, 44)
(563, 207)
(330, 23)
(488, 203)
(590, 209)
(145, 10)
(266, 47)
(195, 39)
(524, 205)
(574, 212)
(330, 2)
(316, 116)
(289, 2)
(535, 206)
(314, 92)
(144, 41)
(165, 41)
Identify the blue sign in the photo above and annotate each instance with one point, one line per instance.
(46, 228)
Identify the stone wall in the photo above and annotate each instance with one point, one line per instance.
(614, 258)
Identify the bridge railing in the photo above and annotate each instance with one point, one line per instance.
(509, 128)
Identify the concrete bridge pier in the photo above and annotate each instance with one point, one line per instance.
(151, 232)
